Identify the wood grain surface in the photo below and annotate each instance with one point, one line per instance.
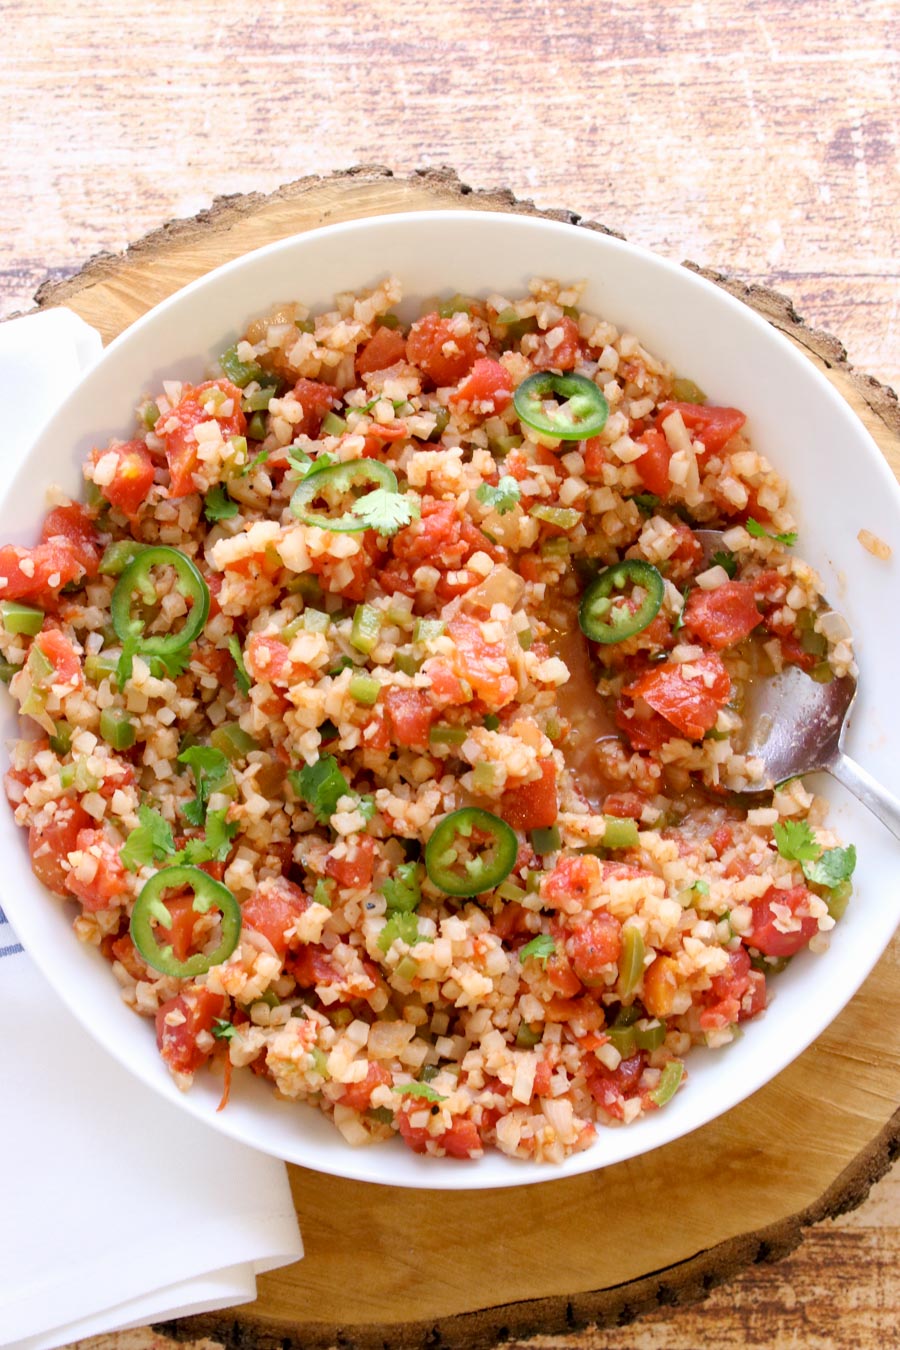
(750, 135)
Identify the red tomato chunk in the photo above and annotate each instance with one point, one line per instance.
(193, 1012)
(443, 354)
(273, 909)
(767, 935)
(690, 702)
(103, 882)
(724, 616)
(532, 806)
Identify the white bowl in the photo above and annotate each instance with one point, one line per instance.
(841, 484)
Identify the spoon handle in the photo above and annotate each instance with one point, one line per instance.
(868, 790)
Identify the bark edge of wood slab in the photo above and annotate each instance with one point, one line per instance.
(113, 290)
(677, 1285)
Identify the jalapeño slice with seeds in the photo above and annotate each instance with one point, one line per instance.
(137, 579)
(608, 611)
(581, 409)
(150, 906)
(470, 851)
(334, 487)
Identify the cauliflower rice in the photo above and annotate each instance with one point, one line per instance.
(604, 901)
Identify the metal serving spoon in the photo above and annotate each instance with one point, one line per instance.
(795, 725)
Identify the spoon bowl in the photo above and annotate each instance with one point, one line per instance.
(794, 725)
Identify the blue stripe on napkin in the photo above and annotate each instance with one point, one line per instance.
(16, 947)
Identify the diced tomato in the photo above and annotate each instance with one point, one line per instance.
(721, 839)
(50, 841)
(387, 431)
(594, 454)
(653, 464)
(593, 946)
(687, 554)
(273, 909)
(436, 536)
(268, 659)
(410, 714)
(558, 969)
(586, 1012)
(358, 1096)
(461, 1140)
(793, 654)
(73, 524)
(511, 922)
(316, 400)
(712, 425)
(107, 885)
(312, 965)
(644, 733)
(199, 1007)
(62, 656)
(444, 356)
(660, 986)
(687, 701)
(357, 870)
(610, 1087)
(735, 995)
(532, 806)
(33, 573)
(122, 949)
(723, 616)
(482, 664)
(447, 690)
(564, 354)
(386, 348)
(542, 1076)
(766, 936)
(624, 805)
(133, 476)
(573, 878)
(176, 430)
(487, 388)
(181, 934)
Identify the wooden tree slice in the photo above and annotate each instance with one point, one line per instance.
(387, 1267)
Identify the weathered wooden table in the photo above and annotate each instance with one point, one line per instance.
(757, 137)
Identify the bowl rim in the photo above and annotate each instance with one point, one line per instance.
(433, 1174)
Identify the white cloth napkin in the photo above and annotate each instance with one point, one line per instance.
(116, 1209)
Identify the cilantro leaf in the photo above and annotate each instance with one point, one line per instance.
(384, 511)
(834, 866)
(214, 845)
(418, 1090)
(217, 505)
(222, 1030)
(541, 948)
(210, 769)
(322, 893)
(254, 463)
(753, 527)
(321, 786)
(150, 843)
(242, 679)
(701, 887)
(309, 466)
(726, 561)
(679, 622)
(501, 498)
(796, 841)
(403, 890)
(170, 666)
(647, 502)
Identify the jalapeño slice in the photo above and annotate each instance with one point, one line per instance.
(470, 851)
(208, 894)
(137, 578)
(608, 613)
(581, 409)
(335, 486)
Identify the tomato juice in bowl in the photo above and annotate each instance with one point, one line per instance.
(795, 420)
